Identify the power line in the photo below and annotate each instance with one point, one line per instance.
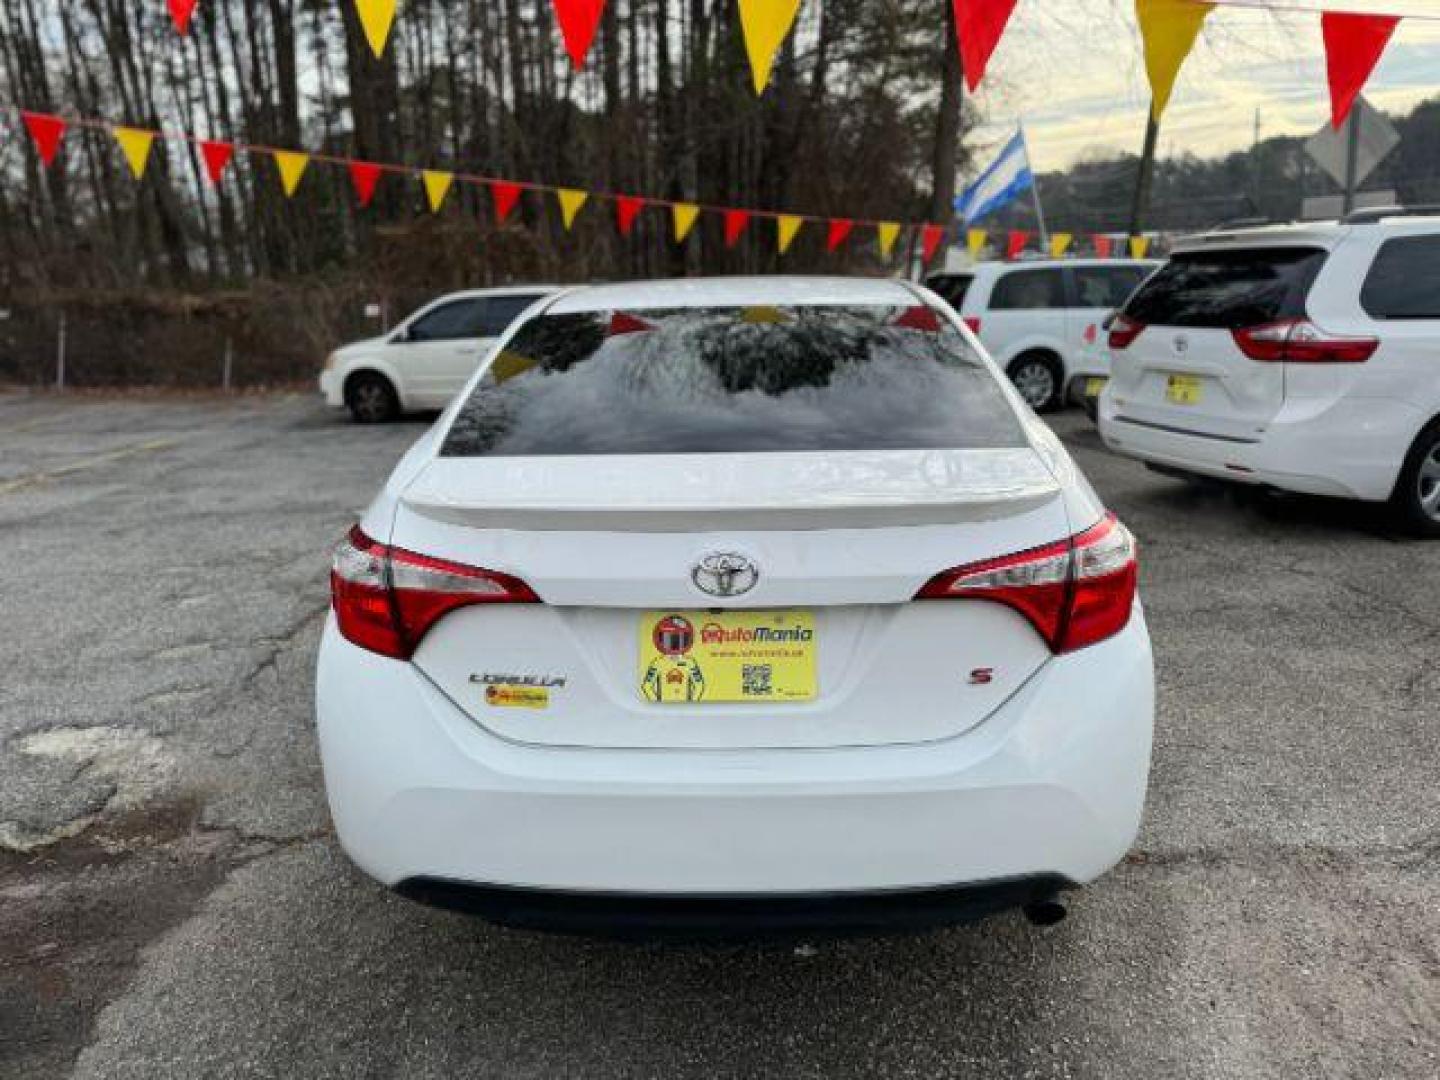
(1311, 9)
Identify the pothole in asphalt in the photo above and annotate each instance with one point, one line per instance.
(129, 766)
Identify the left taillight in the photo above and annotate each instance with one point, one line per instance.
(386, 598)
(1076, 592)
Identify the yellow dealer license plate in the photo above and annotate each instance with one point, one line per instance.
(1183, 389)
(727, 656)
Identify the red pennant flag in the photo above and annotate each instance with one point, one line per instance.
(180, 12)
(578, 21)
(364, 175)
(1353, 44)
(1102, 246)
(978, 27)
(216, 155)
(930, 237)
(622, 322)
(735, 222)
(505, 195)
(1016, 243)
(839, 232)
(627, 208)
(46, 131)
(919, 317)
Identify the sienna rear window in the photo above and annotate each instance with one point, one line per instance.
(1228, 290)
(727, 380)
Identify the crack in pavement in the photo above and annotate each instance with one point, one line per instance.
(285, 640)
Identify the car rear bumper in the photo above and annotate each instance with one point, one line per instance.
(1051, 784)
(1351, 449)
(743, 915)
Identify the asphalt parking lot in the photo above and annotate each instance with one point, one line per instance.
(172, 903)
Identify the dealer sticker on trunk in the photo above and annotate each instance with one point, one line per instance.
(514, 696)
(727, 656)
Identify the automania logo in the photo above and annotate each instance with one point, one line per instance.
(715, 634)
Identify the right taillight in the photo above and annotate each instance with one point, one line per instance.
(1075, 593)
(1123, 331)
(1300, 341)
(386, 598)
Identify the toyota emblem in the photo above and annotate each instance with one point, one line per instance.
(724, 574)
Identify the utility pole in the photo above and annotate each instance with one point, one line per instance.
(1140, 205)
(1255, 165)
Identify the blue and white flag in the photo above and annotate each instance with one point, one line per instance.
(1007, 178)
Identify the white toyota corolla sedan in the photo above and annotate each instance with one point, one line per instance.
(736, 605)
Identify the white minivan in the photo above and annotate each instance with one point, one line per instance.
(1034, 316)
(1300, 357)
(424, 361)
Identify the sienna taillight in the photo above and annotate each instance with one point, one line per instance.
(386, 598)
(1075, 592)
(1300, 341)
(1123, 331)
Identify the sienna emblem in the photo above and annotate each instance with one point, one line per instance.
(724, 574)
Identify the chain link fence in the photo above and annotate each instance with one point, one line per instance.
(268, 335)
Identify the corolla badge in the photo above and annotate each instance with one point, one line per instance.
(724, 573)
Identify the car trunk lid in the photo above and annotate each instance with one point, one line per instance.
(612, 557)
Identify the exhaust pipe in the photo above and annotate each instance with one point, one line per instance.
(1046, 912)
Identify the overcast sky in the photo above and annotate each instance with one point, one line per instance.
(1073, 70)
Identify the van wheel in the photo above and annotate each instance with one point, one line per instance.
(1037, 376)
(1417, 493)
(371, 398)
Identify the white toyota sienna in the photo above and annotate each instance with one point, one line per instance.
(738, 606)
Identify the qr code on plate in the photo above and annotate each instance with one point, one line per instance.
(755, 679)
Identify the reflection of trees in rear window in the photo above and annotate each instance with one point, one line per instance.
(732, 380)
(1228, 290)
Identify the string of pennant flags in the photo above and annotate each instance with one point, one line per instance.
(47, 132)
(1354, 41)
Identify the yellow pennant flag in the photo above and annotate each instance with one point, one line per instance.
(786, 226)
(1139, 245)
(571, 200)
(684, 215)
(765, 24)
(1059, 244)
(136, 144)
(889, 232)
(1169, 28)
(975, 242)
(437, 186)
(292, 168)
(375, 18)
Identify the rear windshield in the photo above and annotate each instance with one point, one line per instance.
(1228, 290)
(726, 380)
